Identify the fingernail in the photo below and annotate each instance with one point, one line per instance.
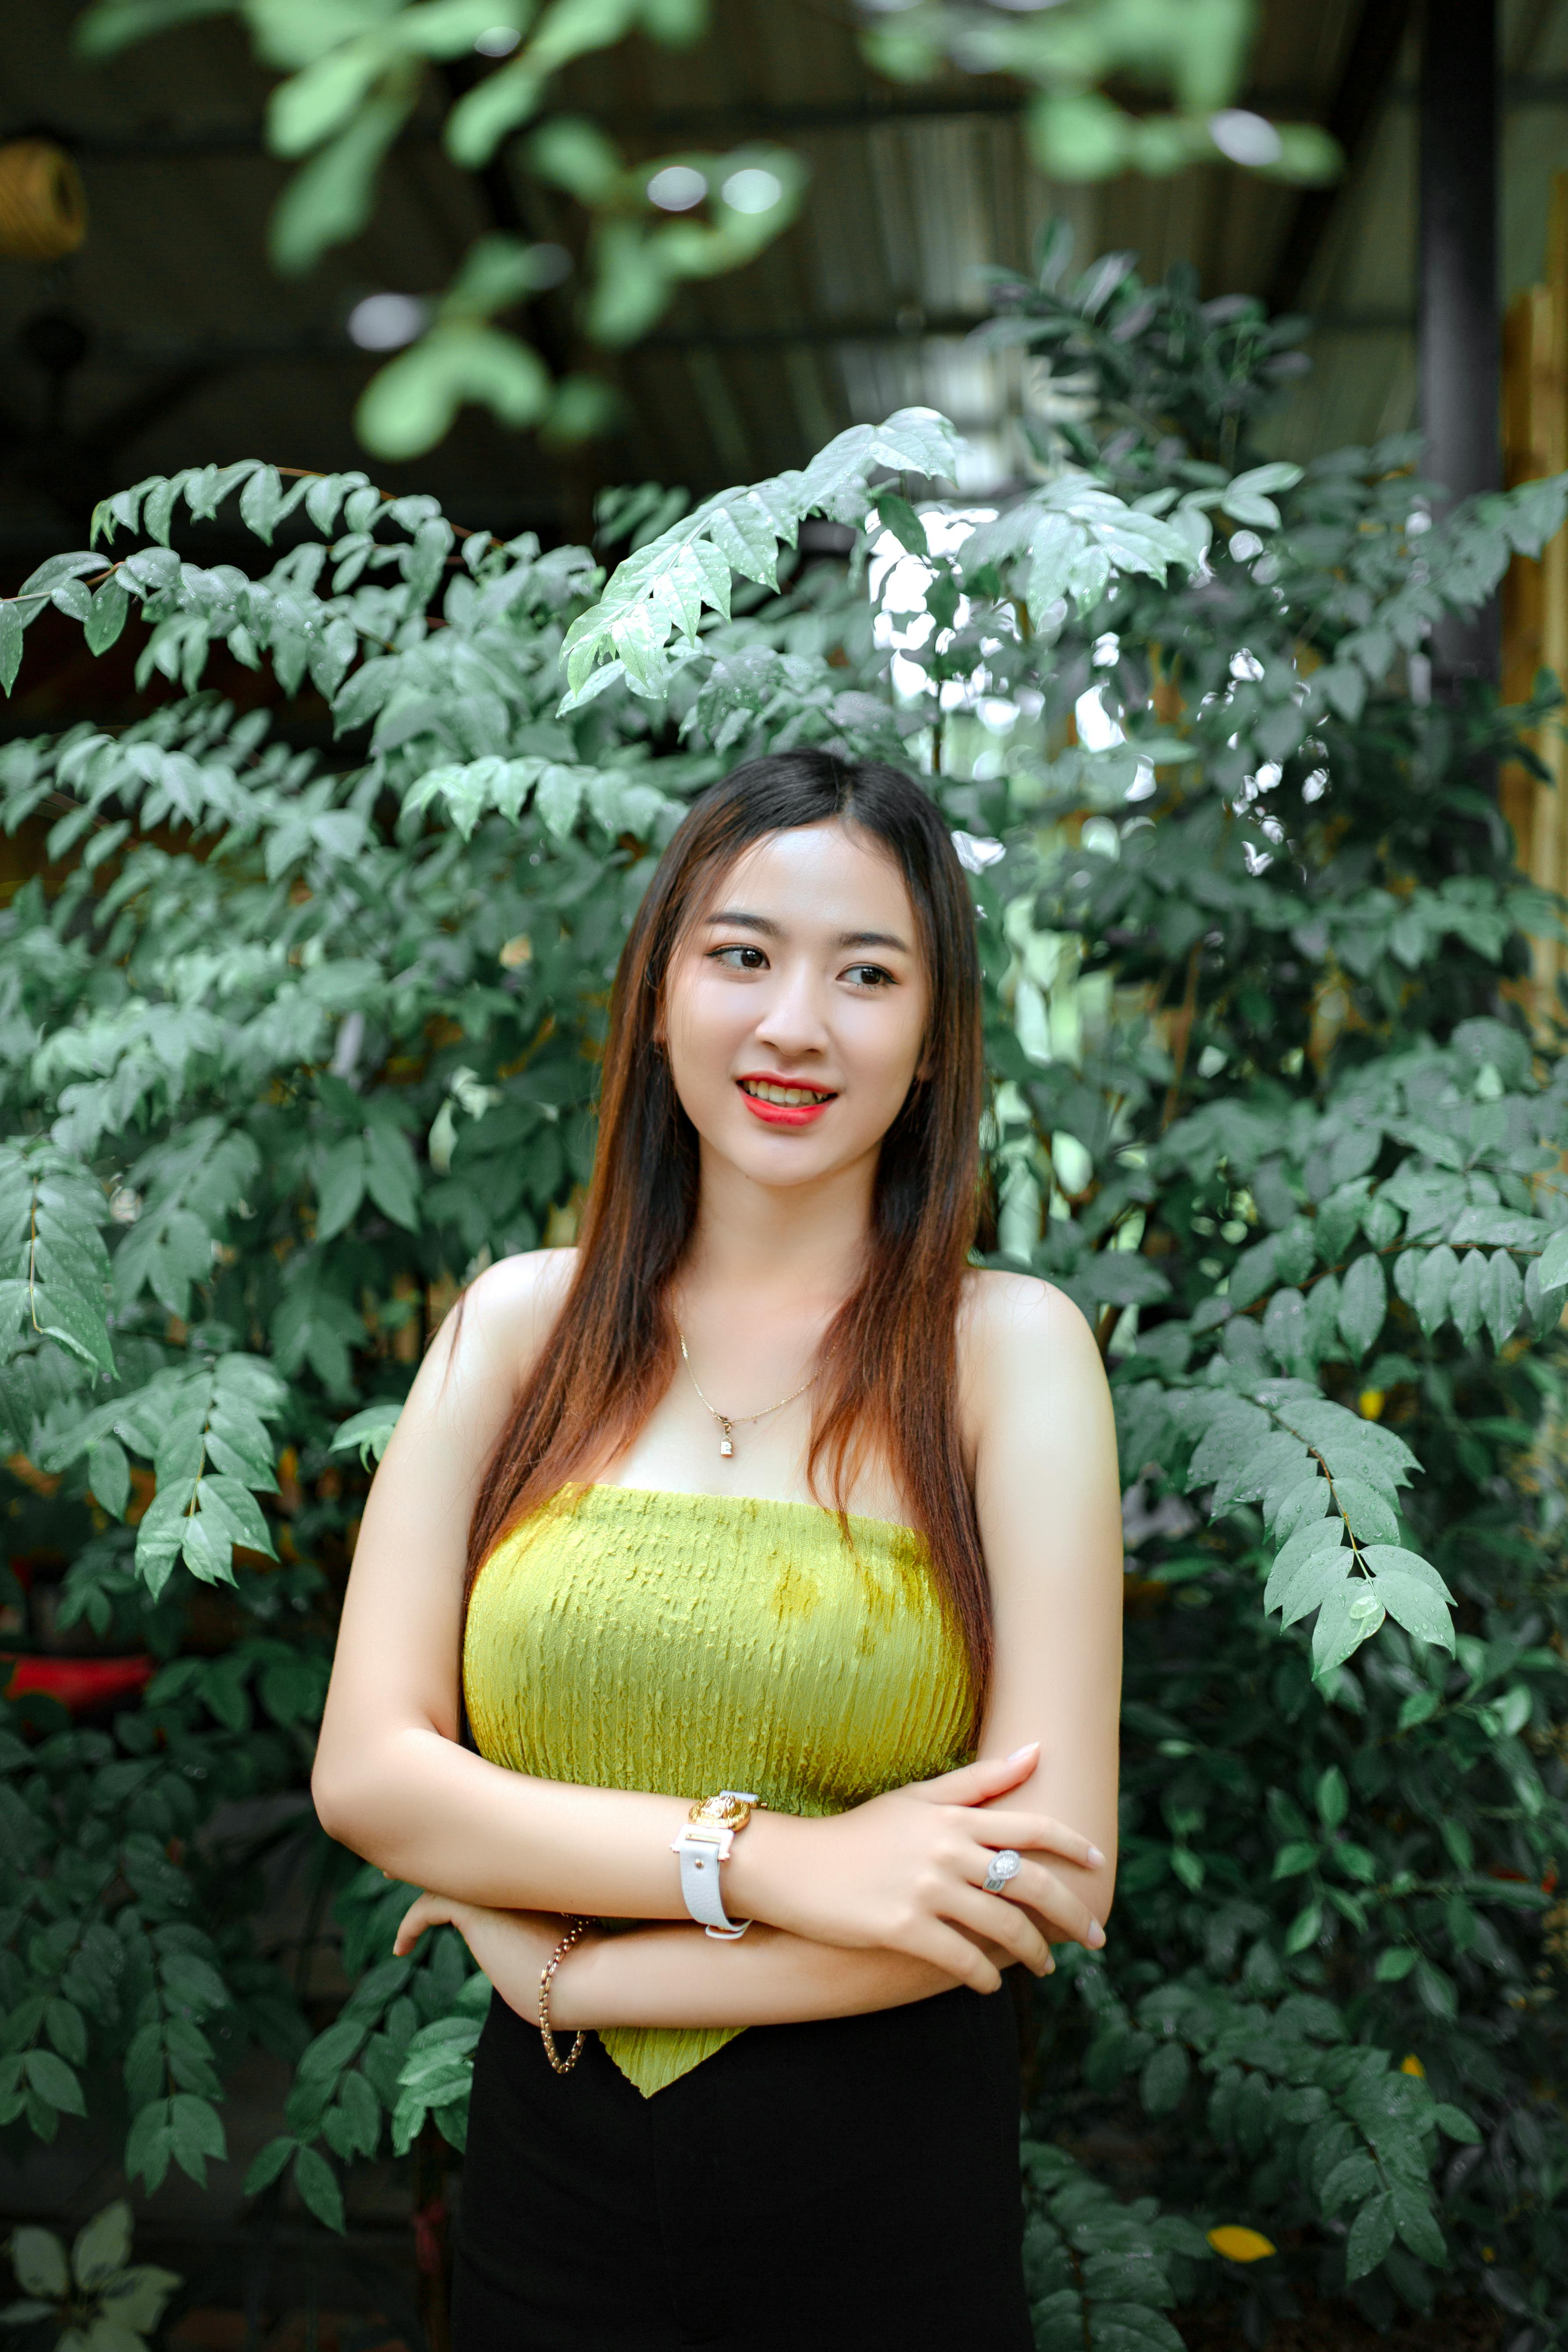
(1096, 1859)
(1019, 1753)
(1096, 1934)
(1050, 1966)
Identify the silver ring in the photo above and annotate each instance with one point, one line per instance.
(1005, 1865)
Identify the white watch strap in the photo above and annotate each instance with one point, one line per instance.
(701, 1850)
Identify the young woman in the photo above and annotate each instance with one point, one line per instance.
(762, 1497)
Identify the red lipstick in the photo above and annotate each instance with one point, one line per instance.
(779, 1114)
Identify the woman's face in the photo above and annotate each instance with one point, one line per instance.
(795, 1006)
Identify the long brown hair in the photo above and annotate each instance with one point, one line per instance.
(886, 1375)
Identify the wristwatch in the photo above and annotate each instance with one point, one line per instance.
(702, 1845)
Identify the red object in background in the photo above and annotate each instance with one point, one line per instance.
(429, 2227)
(78, 1684)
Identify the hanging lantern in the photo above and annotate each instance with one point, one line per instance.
(43, 204)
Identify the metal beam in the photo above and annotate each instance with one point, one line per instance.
(319, 345)
(1368, 65)
(1460, 346)
(218, 141)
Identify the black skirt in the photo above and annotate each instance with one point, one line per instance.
(853, 2182)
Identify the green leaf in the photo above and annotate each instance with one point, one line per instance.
(1333, 1796)
(136, 2297)
(39, 2260)
(262, 502)
(1344, 1622)
(392, 1177)
(1304, 1928)
(103, 2246)
(53, 2082)
(1323, 1575)
(109, 1476)
(328, 200)
(268, 2162)
(12, 624)
(1299, 1504)
(1371, 2236)
(1312, 1537)
(1553, 1262)
(1364, 1303)
(148, 2142)
(412, 402)
(1467, 1300)
(196, 2133)
(896, 514)
(106, 615)
(1370, 1516)
(1502, 1298)
(370, 1431)
(67, 2030)
(1166, 2077)
(312, 104)
(1412, 1601)
(318, 2187)
(1435, 1282)
(341, 1188)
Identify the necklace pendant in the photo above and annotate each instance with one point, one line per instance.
(727, 1442)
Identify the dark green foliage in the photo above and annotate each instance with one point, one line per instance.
(1340, 1195)
(301, 1042)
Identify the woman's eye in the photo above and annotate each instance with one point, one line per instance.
(740, 959)
(870, 975)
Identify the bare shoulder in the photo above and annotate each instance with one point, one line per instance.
(507, 1313)
(518, 1291)
(1037, 1421)
(490, 1342)
(1013, 1327)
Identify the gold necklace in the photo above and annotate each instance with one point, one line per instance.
(727, 1420)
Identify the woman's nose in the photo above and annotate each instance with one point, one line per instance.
(792, 1021)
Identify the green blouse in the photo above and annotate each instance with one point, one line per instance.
(626, 1637)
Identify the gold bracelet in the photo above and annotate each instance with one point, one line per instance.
(575, 1930)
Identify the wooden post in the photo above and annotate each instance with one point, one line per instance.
(1535, 594)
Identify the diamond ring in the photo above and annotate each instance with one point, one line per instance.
(1004, 1866)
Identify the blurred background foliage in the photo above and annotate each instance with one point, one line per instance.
(355, 71)
(295, 1039)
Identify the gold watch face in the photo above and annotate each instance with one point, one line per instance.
(726, 1812)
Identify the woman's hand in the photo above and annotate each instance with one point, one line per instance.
(906, 1871)
(509, 1948)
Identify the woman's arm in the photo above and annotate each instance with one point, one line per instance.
(390, 1781)
(678, 1976)
(1049, 1495)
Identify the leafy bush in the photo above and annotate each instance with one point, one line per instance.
(301, 1041)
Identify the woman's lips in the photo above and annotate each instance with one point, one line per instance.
(781, 1114)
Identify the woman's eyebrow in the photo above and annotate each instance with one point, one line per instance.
(738, 917)
(873, 940)
(743, 921)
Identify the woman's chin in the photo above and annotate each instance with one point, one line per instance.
(779, 1156)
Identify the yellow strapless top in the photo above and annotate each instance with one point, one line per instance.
(628, 1638)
